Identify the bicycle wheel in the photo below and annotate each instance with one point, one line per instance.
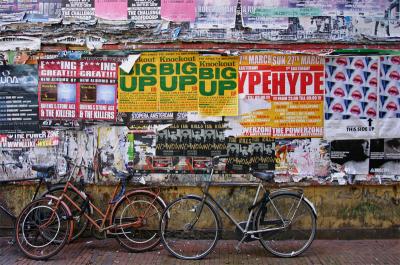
(138, 216)
(80, 220)
(292, 222)
(189, 229)
(41, 231)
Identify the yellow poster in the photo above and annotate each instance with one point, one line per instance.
(281, 95)
(218, 87)
(138, 89)
(178, 83)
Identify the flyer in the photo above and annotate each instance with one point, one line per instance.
(389, 97)
(98, 90)
(374, 8)
(18, 99)
(178, 10)
(280, 95)
(218, 87)
(178, 83)
(111, 9)
(138, 90)
(58, 89)
(144, 13)
(351, 109)
(215, 14)
(385, 156)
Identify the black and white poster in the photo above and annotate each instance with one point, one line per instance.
(78, 11)
(192, 139)
(19, 99)
(257, 153)
(351, 156)
(385, 156)
(144, 12)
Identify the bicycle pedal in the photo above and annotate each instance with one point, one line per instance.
(238, 250)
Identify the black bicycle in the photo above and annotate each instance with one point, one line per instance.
(45, 173)
(283, 220)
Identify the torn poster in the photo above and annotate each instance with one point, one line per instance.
(212, 14)
(389, 97)
(253, 19)
(22, 43)
(367, 8)
(18, 99)
(178, 10)
(351, 86)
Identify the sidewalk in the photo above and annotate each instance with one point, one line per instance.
(88, 252)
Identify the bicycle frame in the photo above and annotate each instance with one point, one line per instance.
(104, 216)
(246, 231)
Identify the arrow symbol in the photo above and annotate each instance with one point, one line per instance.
(369, 122)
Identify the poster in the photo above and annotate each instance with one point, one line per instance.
(178, 83)
(350, 156)
(78, 11)
(253, 18)
(98, 90)
(144, 12)
(385, 156)
(58, 90)
(257, 153)
(18, 99)
(351, 109)
(280, 95)
(29, 140)
(215, 14)
(389, 97)
(218, 88)
(138, 89)
(111, 9)
(192, 139)
(178, 10)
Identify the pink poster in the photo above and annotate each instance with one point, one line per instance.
(178, 10)
(112, 9)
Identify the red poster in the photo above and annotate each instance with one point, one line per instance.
(58, 89)
(98, 90)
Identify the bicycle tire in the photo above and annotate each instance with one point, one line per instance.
(282, 242)
(146, 235)
(25, 221)
(178, 239)
(81, 222)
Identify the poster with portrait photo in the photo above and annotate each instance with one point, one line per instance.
(351, 156)
(262, 154)
(385, 156)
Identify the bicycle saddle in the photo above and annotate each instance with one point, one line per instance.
(264, 176)
(43, 168)
(122, 175)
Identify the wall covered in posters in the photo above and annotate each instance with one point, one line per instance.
(300, 116)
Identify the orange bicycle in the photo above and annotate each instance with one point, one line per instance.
(45, 225)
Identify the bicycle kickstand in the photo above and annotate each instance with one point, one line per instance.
(237, 247)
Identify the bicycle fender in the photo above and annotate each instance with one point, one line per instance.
(70, 216)
(314, 210)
